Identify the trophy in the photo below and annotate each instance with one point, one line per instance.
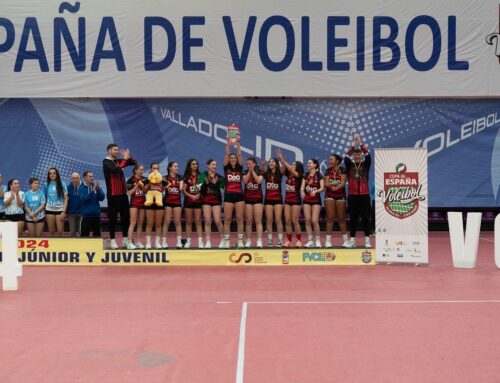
(233, 134)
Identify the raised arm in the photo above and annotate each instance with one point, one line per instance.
(228, 153)
(285, 165)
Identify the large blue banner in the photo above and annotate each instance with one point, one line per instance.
(461, 136)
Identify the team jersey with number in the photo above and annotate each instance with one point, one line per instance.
(137, 199)
(33, 200)
(292, 189)
(312, 184)
(273, 186)
(335, 179)
(173, 191)
(211, 186)
(234, 177)
(193, 186)
(253, 190)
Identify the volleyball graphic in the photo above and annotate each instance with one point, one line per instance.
(401, 168)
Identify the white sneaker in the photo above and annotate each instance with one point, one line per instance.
(179, 244)
(222, 244)
(346, 243)
(279, 244)
(368, 245)
(113, 245)
(248, 244)
(124, 244)
(309, 244)
(227, 244)
(139, 245)
(200, 245)
(148, 245)
(351, 244)
(240, 244)
(187, 245)
(130, 246)
(318, 244)
(259, 244)
(157, 243)
(208, 245)
(270, 243)
(164, 245)
(328, 243)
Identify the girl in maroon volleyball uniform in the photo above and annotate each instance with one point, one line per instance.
(172, 203)
(154, 214)
(335, 180)
(233, 193)
(313, 185)
(252, 178)
(135, 189)
(191, 187)
(211, 197)
(293, 201)
(274, 200)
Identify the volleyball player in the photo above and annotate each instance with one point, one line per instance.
(13, 201)
(211, 197)
(233, 194)
(154, 213)
(252, 179)
(34, 206)
(191, 187)
(358, 201)
(294, 173)
(135, 189)
(56, 195)
(116, 190)
(335, 180)
(313, 185)
(273, 200)
(172, 204)
(3, 190)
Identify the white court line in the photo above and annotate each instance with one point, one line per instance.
(244, 309)
(241, 344)
(487, 239)
(372, 302)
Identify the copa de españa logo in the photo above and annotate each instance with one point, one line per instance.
(402, 192)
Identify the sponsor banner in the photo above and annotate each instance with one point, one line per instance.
(89, 252)
(195, 48)
(401, 204)
(72, 135)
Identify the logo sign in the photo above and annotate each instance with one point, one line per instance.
(318, 256)
(402, 192)
(366, 257)
(494, 39)
(285, 257)
(238, 258)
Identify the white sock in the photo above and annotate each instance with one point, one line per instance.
(148, 239)
(226, 237)
(344, 237)
(328, 237)
(318, 238)
(310, 237)
(280, 237)
(240, 237)
(125, 240)
(270, 238)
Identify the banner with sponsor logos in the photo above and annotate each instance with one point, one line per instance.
(90, 252)
(401, 205)
(195, 48)
(462, 137)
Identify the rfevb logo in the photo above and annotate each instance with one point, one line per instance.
(402, 192)
(494, 38)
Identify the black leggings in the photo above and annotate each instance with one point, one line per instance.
(90, 224)
(359, 205)
(118, 205)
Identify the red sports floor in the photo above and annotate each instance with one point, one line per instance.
(256, 325)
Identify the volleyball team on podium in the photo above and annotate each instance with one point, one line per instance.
(247, 191)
